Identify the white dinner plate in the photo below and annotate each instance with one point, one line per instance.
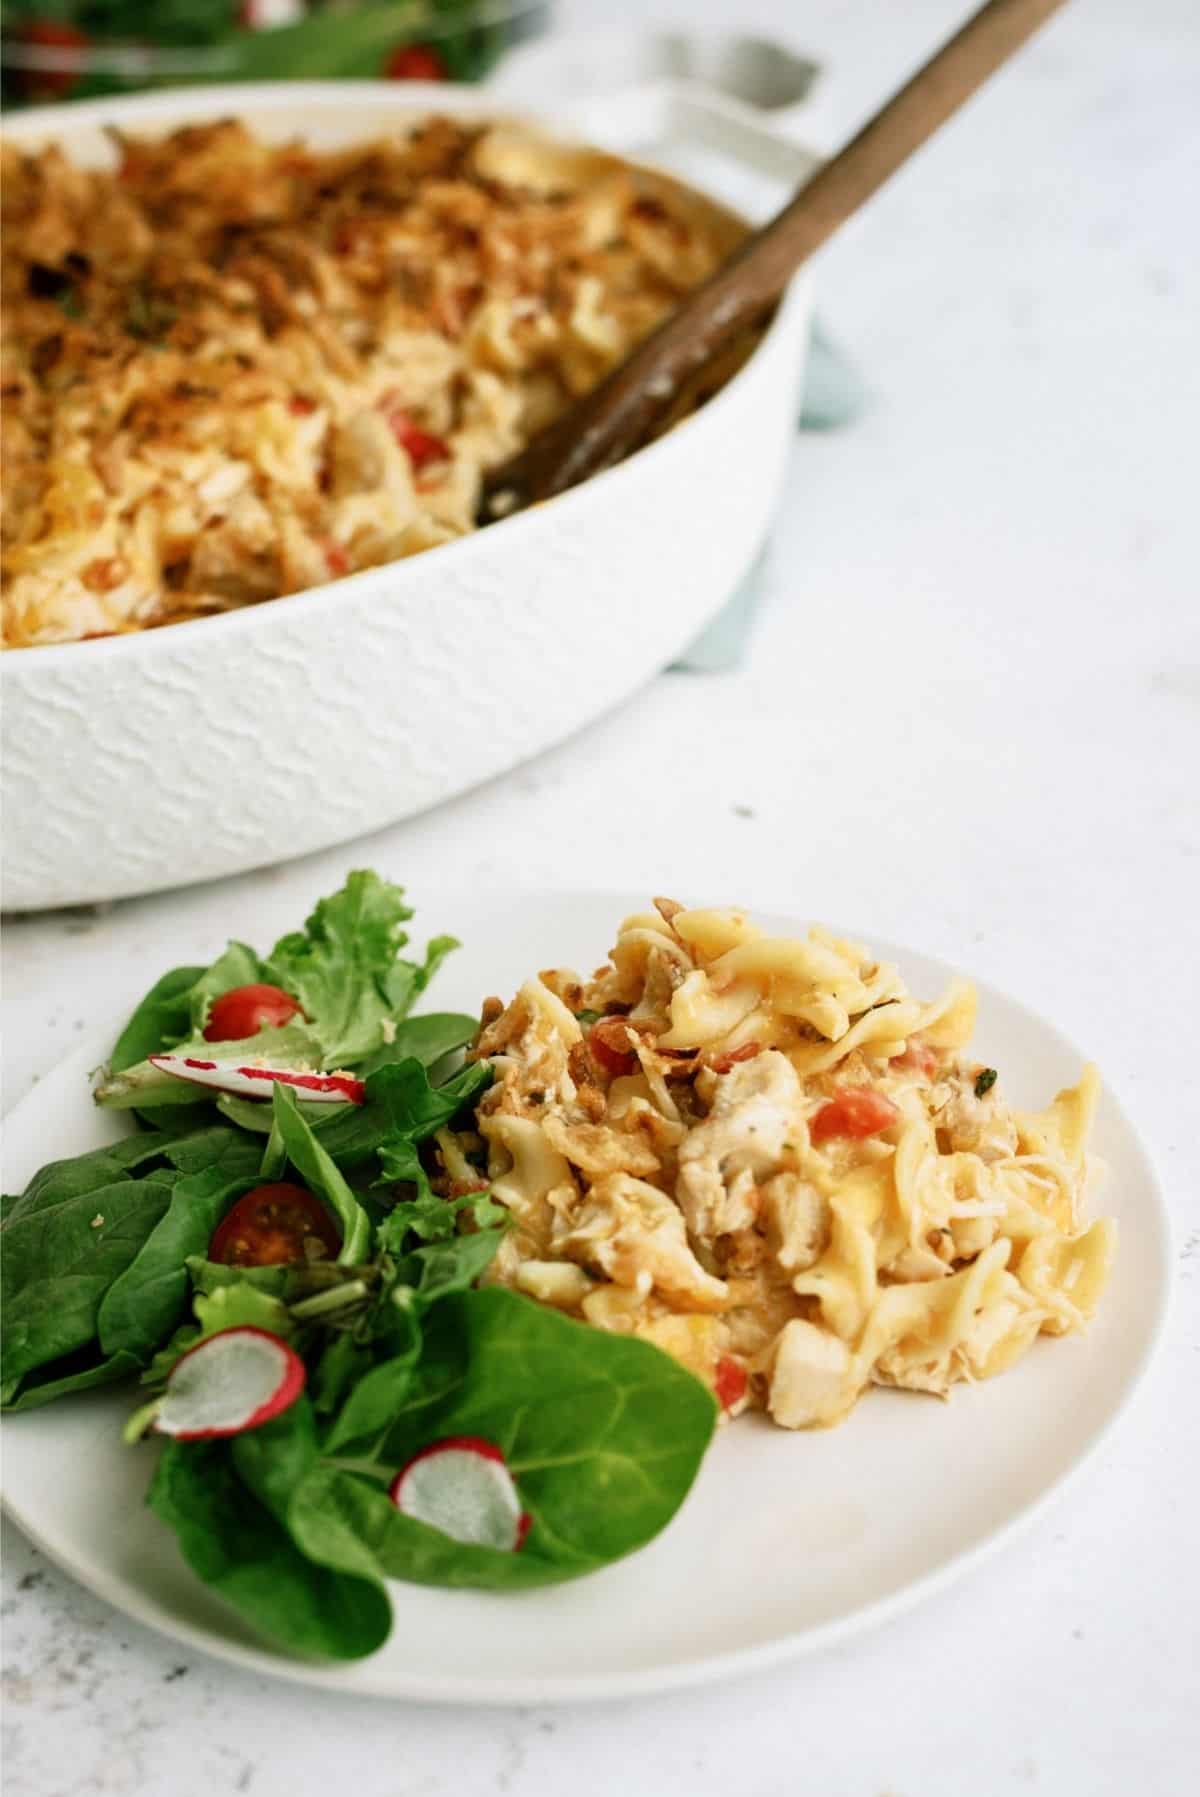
(787, 1542)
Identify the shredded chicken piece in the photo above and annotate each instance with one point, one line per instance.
(755, 1111)
(635, 1234)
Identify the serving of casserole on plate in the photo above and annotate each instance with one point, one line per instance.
(470, 1325)
(272, 359)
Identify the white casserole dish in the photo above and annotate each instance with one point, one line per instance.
(210, 747)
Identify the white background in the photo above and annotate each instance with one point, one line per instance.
(968, 720)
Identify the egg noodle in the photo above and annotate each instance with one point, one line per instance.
(766, 1157)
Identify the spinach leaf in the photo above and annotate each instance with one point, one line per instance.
(212, 1146)
(321, 1174)
(93, 1270)
(429, 1039)
(163, 1017)
(234, 1542)
(401, 1109)
(455, 1264)
(59, 1261)
(376, 1400)
(60, 1181)
(62, 1380)
(603, 1434)
(145, 1303)
(344, 1513)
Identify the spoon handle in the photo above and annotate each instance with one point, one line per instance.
(608, 423)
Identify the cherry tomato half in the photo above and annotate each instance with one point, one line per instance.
(855, 1111)
(415, 62)
(609, 1043)
(272, 1226)
(244, 1010)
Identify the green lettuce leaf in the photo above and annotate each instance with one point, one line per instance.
(346, 971)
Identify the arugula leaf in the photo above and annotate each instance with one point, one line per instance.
(320, 1173)
(234, 1542)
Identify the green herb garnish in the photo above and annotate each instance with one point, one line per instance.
(985, 1081)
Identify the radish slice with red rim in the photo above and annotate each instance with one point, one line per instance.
(248, 1081)
(235, 1380)
(462, 1487)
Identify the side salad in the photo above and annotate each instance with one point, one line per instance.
(335, 1398)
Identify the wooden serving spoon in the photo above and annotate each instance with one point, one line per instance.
(619, 414)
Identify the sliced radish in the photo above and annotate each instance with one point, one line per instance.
(462, 1487)
(248, 1081)
(230, 1382)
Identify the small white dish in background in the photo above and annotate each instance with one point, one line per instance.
(788, 1543)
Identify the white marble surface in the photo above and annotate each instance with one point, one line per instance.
(969, 720)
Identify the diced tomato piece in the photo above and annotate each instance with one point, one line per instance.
(721, 1063)
(421, 446)
(244, 1010)
(918, 1056)
(275, 1226)
(337, 559)
(609, 1043)
(301, 407)
(415, 62)
(730, 1382)
(855, 1111)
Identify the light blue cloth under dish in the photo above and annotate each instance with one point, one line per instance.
(834, 395)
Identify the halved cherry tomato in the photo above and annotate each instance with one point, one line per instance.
(419, 445)
(415, 62)
(273, 1226)
(245, 1010)
(855, 1111)
(609, 1043)
(918, 1056)
(730, 1383)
